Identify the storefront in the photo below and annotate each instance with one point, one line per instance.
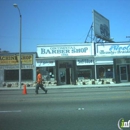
(104, 67)
(65, 63)
(9, 68)
(113, 61)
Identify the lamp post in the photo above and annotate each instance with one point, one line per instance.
(16, 6)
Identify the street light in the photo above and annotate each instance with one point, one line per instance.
(16, 6)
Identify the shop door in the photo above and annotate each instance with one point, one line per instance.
(123, 73)
(62, 75)
(68, 76)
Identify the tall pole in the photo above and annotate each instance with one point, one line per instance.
(95, 67)
(20, 43)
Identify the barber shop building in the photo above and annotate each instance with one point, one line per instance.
(66, 63)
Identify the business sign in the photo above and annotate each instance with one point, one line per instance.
(64, 51)
(44, 63)
(104, 61)
(87, 61)
(14, 59)
(113, 49)
(101, 26)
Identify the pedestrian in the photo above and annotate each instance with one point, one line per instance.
(39, 83)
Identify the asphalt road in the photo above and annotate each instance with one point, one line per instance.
(64, 109)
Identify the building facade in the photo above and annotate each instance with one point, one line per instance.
(113, 60)
(9, 68)
(66, 63)
(69, 64)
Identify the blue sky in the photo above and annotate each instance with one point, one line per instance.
(58, 21)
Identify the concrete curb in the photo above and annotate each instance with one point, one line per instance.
(74, 86)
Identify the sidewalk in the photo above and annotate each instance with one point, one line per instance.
(73, 86)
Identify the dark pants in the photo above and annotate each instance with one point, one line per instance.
(41, 86)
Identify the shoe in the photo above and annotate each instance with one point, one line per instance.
(46, 92)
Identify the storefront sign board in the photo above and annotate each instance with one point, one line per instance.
(66, 50)
(87, 61)
(43, 63)
(14, 59)
(113, 49)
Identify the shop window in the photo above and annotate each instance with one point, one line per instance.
(13, 75)
(105, 72)
(109, 72)
(27, 74)
(102, 72)
(48, 73)
(84, 74)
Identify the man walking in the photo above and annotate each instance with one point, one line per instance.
(39, 82)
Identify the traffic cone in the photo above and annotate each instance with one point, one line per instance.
(24, 89)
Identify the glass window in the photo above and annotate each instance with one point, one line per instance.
(109, 72)
(84, 72)
(101, 72)
(27, 74)
(105, 72)
(48, 73)
(13, 75)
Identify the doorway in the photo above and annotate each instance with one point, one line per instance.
(62, 75)
(65, 76)
(123, 73)
(66, 72)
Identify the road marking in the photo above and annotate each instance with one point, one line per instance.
(10, 111)
(80, 109)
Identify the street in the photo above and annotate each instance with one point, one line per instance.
(64, 109)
